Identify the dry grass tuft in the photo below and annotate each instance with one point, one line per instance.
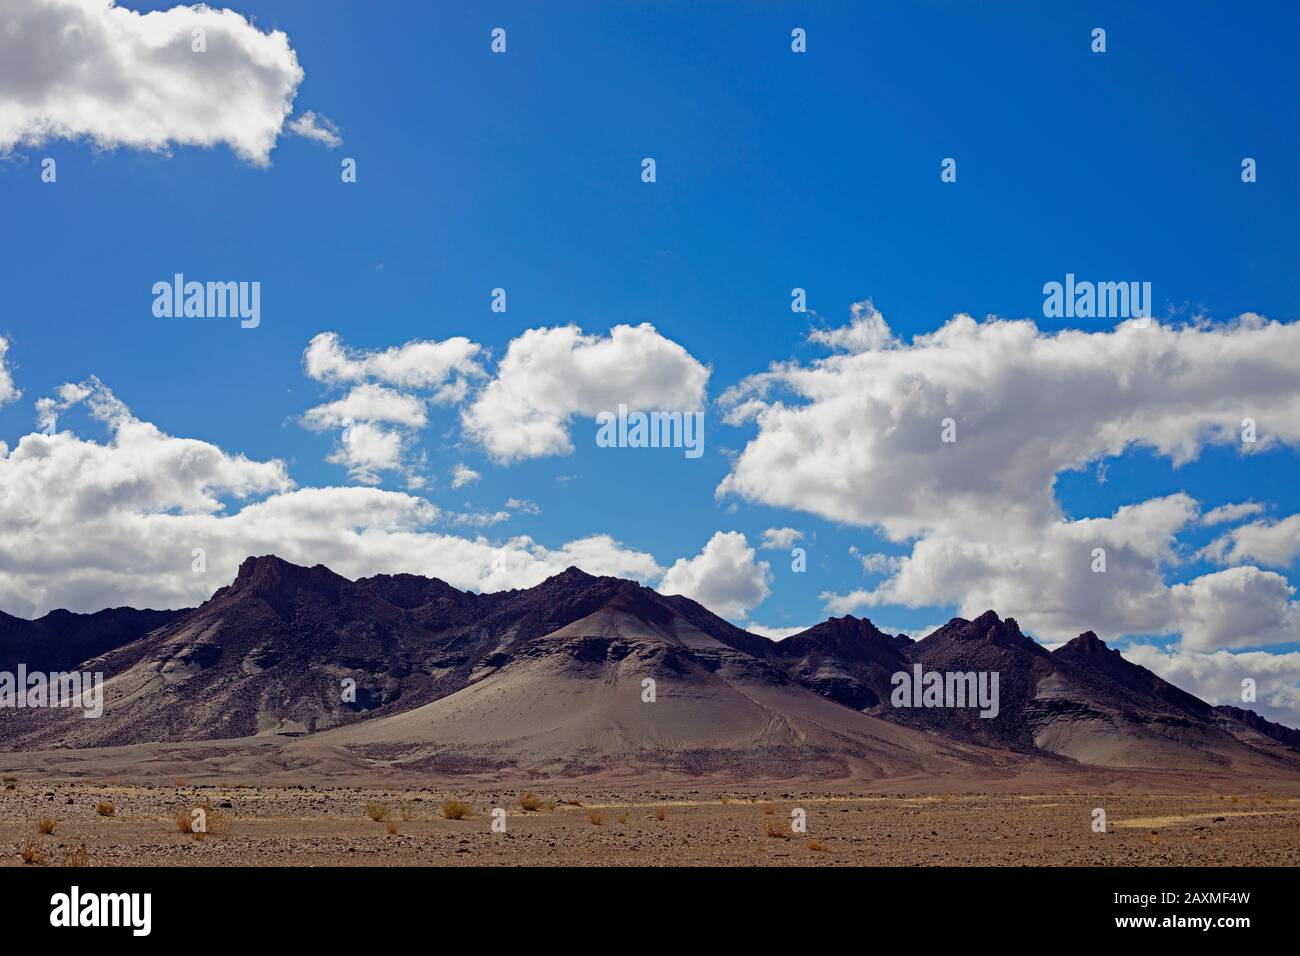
(32, 853)
(595, 817)
(818, 845)
(77, 857)
(530, 801)
(105, 809)
(209, 822)
(392, 829)
(777, 829)
(660, 813)
(769, 809)
(623, 817)
(46, 825)
(377, 811)
(457, 810)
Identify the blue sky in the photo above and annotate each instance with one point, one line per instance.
(774, 170)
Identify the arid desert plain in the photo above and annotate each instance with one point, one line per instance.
(255, 814)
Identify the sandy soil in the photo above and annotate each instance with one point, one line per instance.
(306, 825)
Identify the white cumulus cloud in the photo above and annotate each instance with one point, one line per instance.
(1276, 545)
(550, 375)
(775, 633)
(1227, 514)
(419, 364)
(857, 438)
(384, 407)
(724, 577)
(90, 524)
(1216, 677)
(462, 475)
(9, 392)
(369, 403)
(866, 330)
(366, 449)
(90, 69)
(780, 539)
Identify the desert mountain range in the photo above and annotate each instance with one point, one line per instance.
(552, 678)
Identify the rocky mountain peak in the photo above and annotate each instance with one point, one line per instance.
(269, 574)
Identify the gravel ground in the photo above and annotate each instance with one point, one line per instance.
(330, 825)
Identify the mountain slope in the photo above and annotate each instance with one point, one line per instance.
(579, 699)
(846, 659)
(410, 670)
(273, 652)
(268, 654)
(1083, 701)
(1087, 702)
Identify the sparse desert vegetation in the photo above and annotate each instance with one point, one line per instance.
(200, 821)
(46, 825)
(105, 809)
(33, 853)
(377, 811)
(78, 857)
(324, 825)
(769, 809)
(456, 810)
(530, 801)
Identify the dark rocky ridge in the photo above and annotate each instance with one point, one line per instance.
(846, 659)
(62, 639)
(267, 655)
(1268, 728)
